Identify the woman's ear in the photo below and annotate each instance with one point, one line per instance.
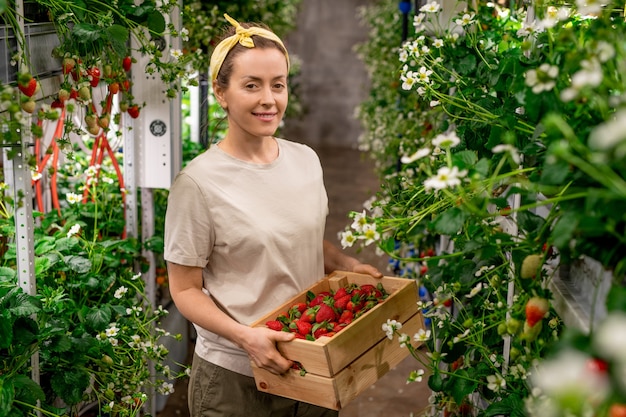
(218, 92)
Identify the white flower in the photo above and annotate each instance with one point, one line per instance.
(112, 330)
(434, 103)
(567, 375)
(404, 55)
(418, 19)
(415, 376)
(553, 16)
(390, 327)
(359, 221)
(589, 75)
(136, 277)
(496, 382)
(542, 78)
(446, 140)
(419, 154)
(460, 337)
(512, 150)
(370, 234)
(422, 335)
(610, 337)
(423, 75)
(445, 178)
(432, 7)
(347, 239)
(73, 230)
(35, 175)
(530, 28)
(404, 340)
(438, 43)
(590, 7)
(119, 293)
(609, 134)
(408, 79)
(184, 34)
(92, 170)
(466, 19)
(73, 198)
(605, 51)
(475, 290)
(166, 388)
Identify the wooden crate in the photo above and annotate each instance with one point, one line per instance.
(339, 368)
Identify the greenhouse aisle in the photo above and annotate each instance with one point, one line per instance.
(350, 180)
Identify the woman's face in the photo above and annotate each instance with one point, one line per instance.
(256, 97)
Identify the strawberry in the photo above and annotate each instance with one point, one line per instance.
(123, 106)
(597, 366)
(127, 63)
(322, 331)
(84, 93)
(27, 84)
(530, 265)
(114, 87)
(346, 317)
(617, 410)
(104, 121)
(68, 65)
(309, 314)
(317, 300)
(28, 106)
(94, 76)
(536, 309)
(341, 292)
(133, 111)
(325, 313)
(125, 86)
(341, 303)
(64, 94)
(57, 104)
(275, 325)
(94, 130)
(73, 94)
(368, 289)
(301, 327)
(91, 120)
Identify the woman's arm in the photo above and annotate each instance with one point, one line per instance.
(199, 308)
(336, 260)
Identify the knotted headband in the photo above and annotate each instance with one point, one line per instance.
(243, 36)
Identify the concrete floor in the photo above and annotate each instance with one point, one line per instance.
(350, 181)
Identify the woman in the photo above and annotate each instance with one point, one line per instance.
(244, 232)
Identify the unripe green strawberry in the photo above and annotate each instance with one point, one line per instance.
(530, 333)
(28, 106)
(84, 93)
(514, 353)
(94, 130)
(64, 94)
(91, 120)
(513, 326)
(502, 330)
(530, 265)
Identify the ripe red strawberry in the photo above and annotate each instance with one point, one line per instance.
(94, 76)
(346, 317)
(341, 292)
(127, 63)
(536, 309)
(342, 303)
(325, 313)
(302, 327)
(617, 410)
(317, 300)
(319, 331)
(27, 84)
(133, 111)
(368, 289)
(275, 325)
(125, 86)
(114, 87)
(309, 314)
(597, 366)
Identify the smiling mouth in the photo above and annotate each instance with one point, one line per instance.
(265, 115)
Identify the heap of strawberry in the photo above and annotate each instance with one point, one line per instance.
(328, 312)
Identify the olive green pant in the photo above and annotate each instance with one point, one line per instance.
(218, 392)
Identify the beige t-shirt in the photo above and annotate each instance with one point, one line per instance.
(256, 229)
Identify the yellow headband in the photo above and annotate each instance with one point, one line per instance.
(242, 36)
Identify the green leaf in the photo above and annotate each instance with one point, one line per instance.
(85, 32)
(118, 37)
(99, 318)
(42, 264)
(7, 274)
(482, 167)
(555, 173)
(564, 229)
(78, 264)
(464, 159)
(435, 381)
(530, 222)
(449, 222)
(45, 245)
(3, 6)
(28, 390)
(460, 385)
(156, 22)
(616, 299)
(512, 405)
(70, 384)
(466, 64)
(22, 304)
(6, 330)
(7, 394)
(60, 343)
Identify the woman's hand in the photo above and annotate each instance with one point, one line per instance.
(260, 343)
(367, 269)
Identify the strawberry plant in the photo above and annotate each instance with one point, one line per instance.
(328, 312)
